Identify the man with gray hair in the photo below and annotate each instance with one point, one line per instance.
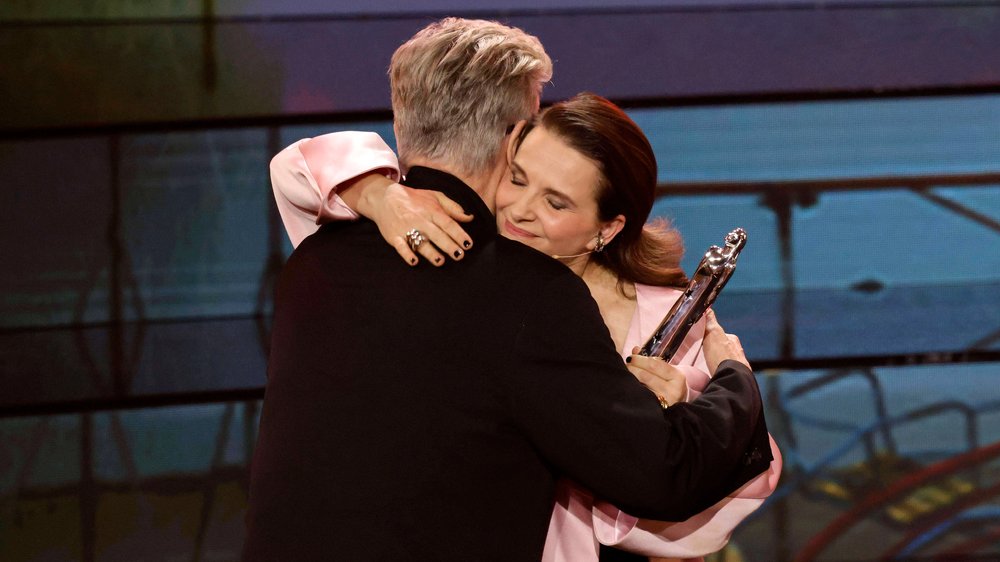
(457, 86)
(424, 413)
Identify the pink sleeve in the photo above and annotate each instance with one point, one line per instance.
(700, 535)
(702, 377)
(697, 379)
(305, 177)
(703, 534)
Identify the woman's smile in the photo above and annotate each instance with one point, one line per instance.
(516, 232)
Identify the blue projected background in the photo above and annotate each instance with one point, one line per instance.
(195, 208)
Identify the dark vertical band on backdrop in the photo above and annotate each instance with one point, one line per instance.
(275, 257)
(116, 336)
(208, 51)
(210, 486)
(88, 491)
(780, 203)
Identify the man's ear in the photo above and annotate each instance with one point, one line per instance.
(512, 139)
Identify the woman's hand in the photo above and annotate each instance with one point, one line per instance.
(398, 209)
(667, 382)
(719, 345)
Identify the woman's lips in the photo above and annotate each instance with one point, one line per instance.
(517, 231)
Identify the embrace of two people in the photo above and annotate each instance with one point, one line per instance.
(483, 410)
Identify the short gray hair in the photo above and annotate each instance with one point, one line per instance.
(457, 86)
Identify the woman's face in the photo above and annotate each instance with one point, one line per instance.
(549, 201)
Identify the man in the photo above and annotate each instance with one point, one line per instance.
(423, 413)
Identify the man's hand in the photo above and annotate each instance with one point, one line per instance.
(398, 209)
(719, 345)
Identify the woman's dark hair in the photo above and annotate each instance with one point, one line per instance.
(641, 253)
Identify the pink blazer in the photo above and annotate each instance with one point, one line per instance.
(305, 177)
(579, 522)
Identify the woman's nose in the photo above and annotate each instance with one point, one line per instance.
(523, 207)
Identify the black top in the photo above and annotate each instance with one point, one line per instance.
(422, 413)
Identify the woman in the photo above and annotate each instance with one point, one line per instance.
(581, 186)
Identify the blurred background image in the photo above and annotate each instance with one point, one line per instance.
(857, 142)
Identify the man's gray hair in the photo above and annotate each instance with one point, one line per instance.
(457, 86)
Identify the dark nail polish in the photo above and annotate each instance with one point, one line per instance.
(458, 253)
(437, 260)
(466, 244)
(413, 261)
(628, 359)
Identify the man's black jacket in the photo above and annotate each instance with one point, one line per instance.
(422, 413)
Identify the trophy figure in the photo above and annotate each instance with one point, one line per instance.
(707, 282)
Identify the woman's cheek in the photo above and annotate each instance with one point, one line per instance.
(506, 195)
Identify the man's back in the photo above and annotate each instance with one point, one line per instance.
(387, 428)
(421, 413)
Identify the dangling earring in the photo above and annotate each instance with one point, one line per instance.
(600, 243)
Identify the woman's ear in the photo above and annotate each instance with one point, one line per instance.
(611, 228)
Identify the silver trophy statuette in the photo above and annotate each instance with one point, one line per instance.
(707, 282)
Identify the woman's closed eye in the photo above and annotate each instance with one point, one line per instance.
(556, 203)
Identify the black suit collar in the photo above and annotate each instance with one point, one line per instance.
(483, 226)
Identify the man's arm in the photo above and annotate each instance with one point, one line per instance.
(594, 422)
(702, 534)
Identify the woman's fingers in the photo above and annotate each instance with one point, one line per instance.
(453, 209)
(422, 224)
(403, 249)
(663, 379)
(415, 244)
(449, 236)
(436, 217)
(436, 241)
(437, 244)
(719, 346)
